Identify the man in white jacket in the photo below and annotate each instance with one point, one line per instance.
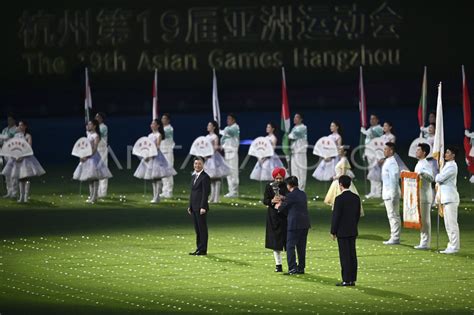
(448, 196)
(425, 170)
(391, 192)
(167, 147)
(230, 143)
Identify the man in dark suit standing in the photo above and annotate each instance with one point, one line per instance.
(199, 205)
(295, 206)
(345, 217)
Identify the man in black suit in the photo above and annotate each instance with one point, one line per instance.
(295, 206)
(345, 217)
(199, 205)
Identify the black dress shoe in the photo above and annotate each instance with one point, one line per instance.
(201, 253)
(291, 272)
(278, 268)
(300, 271)
(193, 253)
(345, 284)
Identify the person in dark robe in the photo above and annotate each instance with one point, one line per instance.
(275, 236)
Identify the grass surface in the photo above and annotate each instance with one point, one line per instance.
(123, 255)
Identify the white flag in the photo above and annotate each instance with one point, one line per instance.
(438, 146)
(216, 112)
(155, 96)
(87, 98)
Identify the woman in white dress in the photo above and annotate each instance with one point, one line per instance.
(157, 167)
(342, 167)
(24, 168)
(325, 170)
(91, 168)
(264, 167)
(215, 165)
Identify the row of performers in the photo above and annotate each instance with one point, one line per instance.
(159, 168)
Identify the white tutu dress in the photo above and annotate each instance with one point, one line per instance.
(215, 165)
(326, 169)
(155, 167)
(93, 168)
(263, 169)
(24, 167)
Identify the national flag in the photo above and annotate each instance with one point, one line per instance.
(87, 98)
(216, 111)
(422, 107)
(466, 106)
(155, 96)
(362, 111)
(285, 115)
(438, 146)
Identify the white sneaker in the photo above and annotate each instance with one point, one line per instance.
(422, 247)
(155, 201)
(391, 242)
(229, 195)
(368, 196)
(166, 196)
(449, 251)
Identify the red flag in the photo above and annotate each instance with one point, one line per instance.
(155, 96)
(466, 105)
(422, 107)
(362, 102)
(285, 114)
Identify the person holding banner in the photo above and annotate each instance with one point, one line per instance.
(326, 168)
(24, 168)
(374, 131)
(391, 193)
(103, 150)
(299, 145)
(92, 168)
(167, 146)
(230, 143)
(155, 168)
(264, 167)
(215, 165)
(275, 233)
(425, 171)
(448, 197)
(7, 133)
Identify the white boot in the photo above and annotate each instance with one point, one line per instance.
(96, 191)
(156, 191)
(217, 192)
(213, 192)
(27, 191)
(91, 192)
(22, 191)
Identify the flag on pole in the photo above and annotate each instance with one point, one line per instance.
(422, 107)
(87, 98)
(438, 146)
(216, 111)
(285, 115)
(362, 111)
(466, 106)
(155, 96)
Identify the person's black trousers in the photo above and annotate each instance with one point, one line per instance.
(348, 257)
(200, 226)
(296, 238)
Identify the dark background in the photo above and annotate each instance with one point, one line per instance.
(429, 33)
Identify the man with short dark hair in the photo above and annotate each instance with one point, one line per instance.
(295, 206)
(167, 147)
(449, 198)
(345, 218)
(199, 206)
(391, 192)
(424, 169)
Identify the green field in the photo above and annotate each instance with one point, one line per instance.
(123, 255)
